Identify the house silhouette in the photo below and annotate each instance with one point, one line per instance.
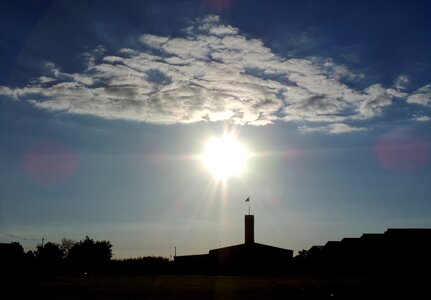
(397, 250)
(247, 258)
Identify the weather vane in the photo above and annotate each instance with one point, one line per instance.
(248, 200)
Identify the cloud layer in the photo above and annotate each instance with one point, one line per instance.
(214, 73)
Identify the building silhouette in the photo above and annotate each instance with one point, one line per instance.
(247, 258)
(397, 250)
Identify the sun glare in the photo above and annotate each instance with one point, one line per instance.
(225, 157)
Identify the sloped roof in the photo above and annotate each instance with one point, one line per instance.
(250, 246)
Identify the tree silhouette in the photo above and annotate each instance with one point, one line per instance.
(66, 245)
(11, 264)
(16, 250)
(49, 258)
(49, 253)
(90, 256)
(10, 255)
(302, 253)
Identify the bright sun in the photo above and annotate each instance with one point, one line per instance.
(225, 157)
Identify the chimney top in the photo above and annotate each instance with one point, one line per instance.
(249, 229)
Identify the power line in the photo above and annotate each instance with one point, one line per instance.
(17, 237)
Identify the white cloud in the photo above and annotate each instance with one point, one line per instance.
(336, 71)
(335, 128)
(212, 73)
(421, 96)
(8, 92)
(45, 79)
(376, 98)
(211, 24)
(401, 83)
(90, 57)
(421, 118)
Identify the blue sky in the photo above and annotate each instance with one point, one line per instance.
(104, 107)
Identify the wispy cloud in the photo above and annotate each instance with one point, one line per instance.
(421, 118)
(422, 96)
(332, 128)
(213, 73)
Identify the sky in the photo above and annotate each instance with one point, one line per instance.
(106, 107)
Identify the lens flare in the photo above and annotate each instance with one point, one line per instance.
(402, 151)
(49, 163)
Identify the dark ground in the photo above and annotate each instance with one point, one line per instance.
(221, 287)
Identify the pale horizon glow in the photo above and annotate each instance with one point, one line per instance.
(225, 157)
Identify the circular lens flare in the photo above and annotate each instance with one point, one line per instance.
(225, 157)
(49, 163)
(402, 151)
